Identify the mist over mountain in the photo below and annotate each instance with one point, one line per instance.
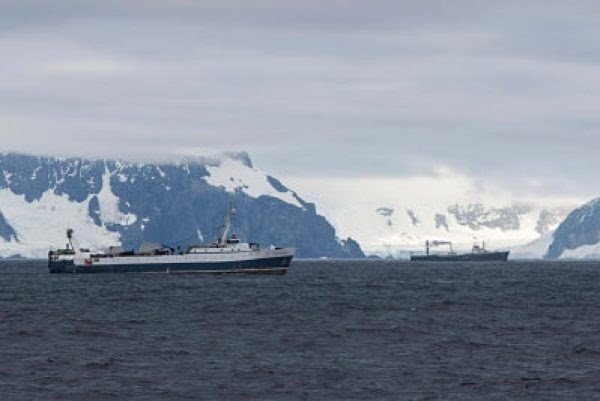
(397, 229)
(110, 202)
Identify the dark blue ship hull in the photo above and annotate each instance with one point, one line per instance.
(464, 257)
(274, 265)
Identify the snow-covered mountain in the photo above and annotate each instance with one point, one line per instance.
(578, 236)
(121, 203)
(398, 229)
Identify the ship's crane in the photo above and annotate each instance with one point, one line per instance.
(429, 244)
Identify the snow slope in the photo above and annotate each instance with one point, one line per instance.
(235, 175)
(109, 204)
(582, 252)
(536, 249)
(398, 229)
(40, 225)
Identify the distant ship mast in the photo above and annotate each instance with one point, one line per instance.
(70, 238)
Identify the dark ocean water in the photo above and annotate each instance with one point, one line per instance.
(361, 330)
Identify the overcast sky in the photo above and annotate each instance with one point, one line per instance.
(503, 93)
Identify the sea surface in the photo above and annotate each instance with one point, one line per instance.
(328, 330)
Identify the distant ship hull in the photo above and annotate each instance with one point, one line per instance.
(464, 257)
(271, 262)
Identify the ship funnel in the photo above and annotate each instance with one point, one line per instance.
(70, 238)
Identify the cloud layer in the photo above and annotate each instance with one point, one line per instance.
(506, 91)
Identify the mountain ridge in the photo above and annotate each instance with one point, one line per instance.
(115, 202)
(578, 236)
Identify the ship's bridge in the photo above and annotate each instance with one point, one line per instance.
(226, 248)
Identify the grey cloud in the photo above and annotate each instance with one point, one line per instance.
(506, 91)
(331, 14)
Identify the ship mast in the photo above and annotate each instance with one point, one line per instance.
(227, 225)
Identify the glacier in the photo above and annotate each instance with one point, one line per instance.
(398, 229)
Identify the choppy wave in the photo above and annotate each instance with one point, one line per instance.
(330, 330)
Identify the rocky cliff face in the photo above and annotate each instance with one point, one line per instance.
(116, 202)
(578, 236)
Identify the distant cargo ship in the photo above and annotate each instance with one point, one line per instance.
(478, 254)
(227, 255)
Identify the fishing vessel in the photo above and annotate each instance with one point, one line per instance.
(478, 254)
(227, 255)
